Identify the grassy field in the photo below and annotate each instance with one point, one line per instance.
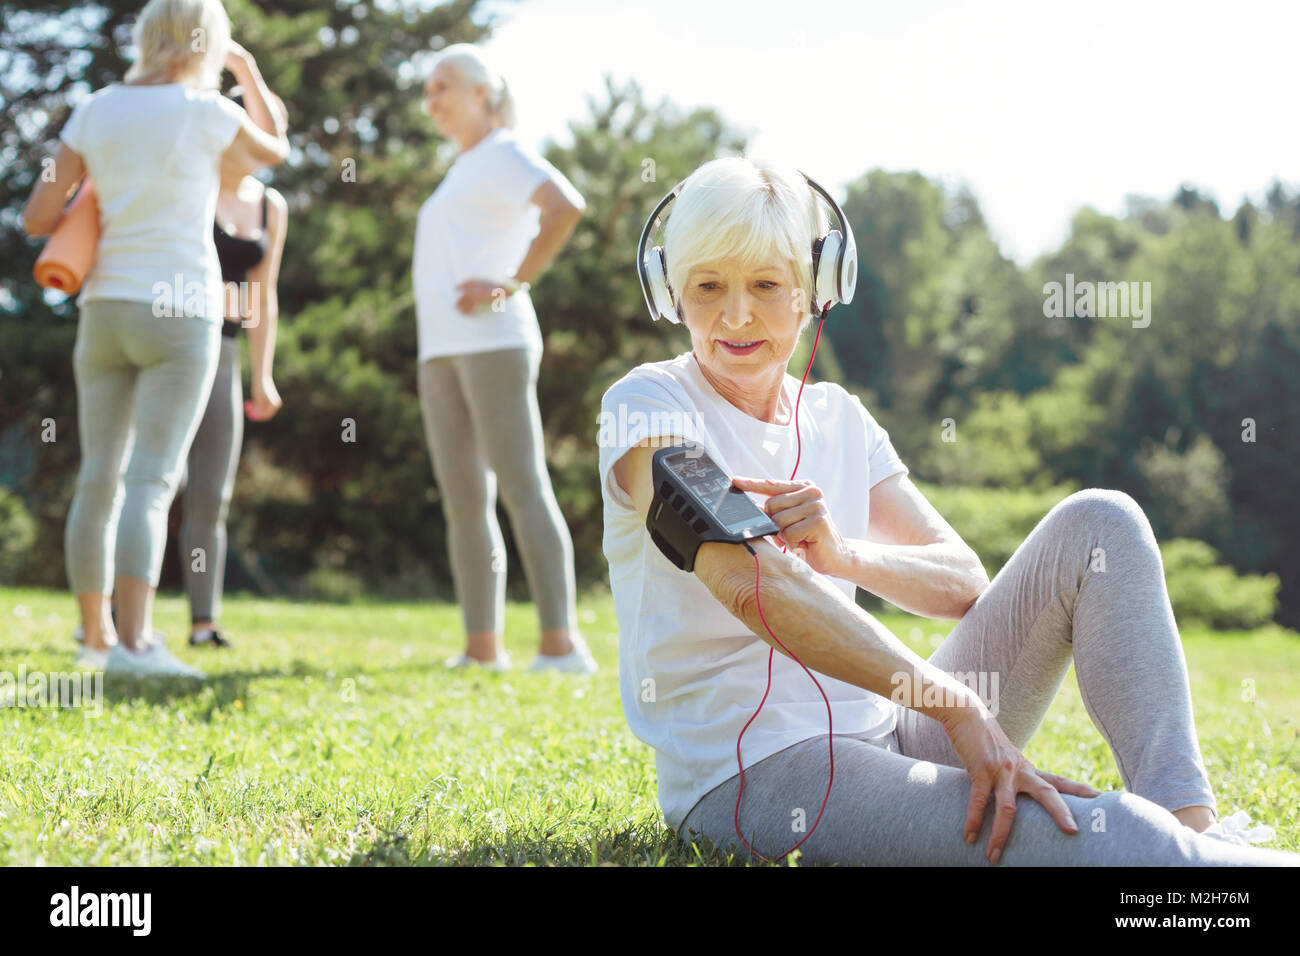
(332, 735)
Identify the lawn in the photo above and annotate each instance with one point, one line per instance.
(332, 735)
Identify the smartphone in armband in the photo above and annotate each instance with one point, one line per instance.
(696, 502)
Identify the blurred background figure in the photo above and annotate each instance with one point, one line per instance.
(479, 242)
(148, 335)
(249, 230)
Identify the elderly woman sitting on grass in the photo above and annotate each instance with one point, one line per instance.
(925, 771)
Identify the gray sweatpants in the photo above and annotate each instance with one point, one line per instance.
(902, 799)
(142, 381)
(209, 484)
(484, 428)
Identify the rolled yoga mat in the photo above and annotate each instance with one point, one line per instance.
(70, 251)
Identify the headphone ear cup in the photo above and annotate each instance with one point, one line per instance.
(849, 269)
(657, 277)
(828, 256)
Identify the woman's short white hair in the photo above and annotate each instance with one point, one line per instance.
(470, 64)
(748, 209)
(191, 34)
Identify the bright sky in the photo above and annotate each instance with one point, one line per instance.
(1040, 107)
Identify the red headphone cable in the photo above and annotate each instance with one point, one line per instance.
(771, 650)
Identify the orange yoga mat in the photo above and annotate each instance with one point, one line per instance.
(70, 251)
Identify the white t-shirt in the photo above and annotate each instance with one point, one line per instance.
(478, 224)
(153, 152)
(708, 670)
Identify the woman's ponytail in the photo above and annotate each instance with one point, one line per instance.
(504, 104)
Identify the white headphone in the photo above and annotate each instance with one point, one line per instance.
(834, 263)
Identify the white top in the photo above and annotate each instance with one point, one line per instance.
(708, 671)
(478, 224)
(153, 152)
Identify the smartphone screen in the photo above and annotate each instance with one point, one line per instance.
(735, 511)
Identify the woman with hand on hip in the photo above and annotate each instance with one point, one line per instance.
(249, 230)
(479, 242)
(150, 308)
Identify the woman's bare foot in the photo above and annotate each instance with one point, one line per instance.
(1198, 818)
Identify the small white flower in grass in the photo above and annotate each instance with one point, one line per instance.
(579, 694)
(204, 845)
(587, 616)
(22, 610)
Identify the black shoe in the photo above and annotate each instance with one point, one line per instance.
(210, 637)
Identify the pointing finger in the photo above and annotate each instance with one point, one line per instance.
(766, 486)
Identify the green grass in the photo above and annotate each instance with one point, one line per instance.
(331, 735)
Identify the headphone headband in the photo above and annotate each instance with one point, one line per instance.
(834, 261)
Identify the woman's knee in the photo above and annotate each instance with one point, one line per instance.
(525, 491)
(205, 506)
(465, 502)
(98, 491)
(1104, 504)
(1099, 513)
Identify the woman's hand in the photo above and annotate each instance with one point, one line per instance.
(265, 402)
(475, 293)
(799, 507)
(997, 767)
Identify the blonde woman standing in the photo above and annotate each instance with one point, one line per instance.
(148, 333)
(479, 243)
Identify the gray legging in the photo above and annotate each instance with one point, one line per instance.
(902, 799)
(209, 484)
(141, 381)
(483, 426)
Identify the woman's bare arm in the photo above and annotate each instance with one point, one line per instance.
(262, 139)
(44, 208)
(814, 619)
(912, 557)
(561, 210)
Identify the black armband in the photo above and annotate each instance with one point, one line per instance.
(696, 502)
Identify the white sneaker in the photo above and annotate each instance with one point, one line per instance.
(1237, 829)
(155, 660)
(502, 663)
(577, 661)
(90, 659)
